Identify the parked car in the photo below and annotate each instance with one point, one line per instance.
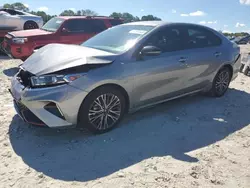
(11, 19)
(243, 40)
(245, 64)
(65, 30)
(123, 69)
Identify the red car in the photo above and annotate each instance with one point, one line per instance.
(65, 30)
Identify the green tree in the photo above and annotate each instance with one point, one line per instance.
(127, 17)
(116, 15)
(18, 6)
(88, 12)
(7, 5)
(79, 13)
(67, 13)
(149, 18)
(46, 17)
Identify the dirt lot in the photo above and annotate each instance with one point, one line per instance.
(192, 142)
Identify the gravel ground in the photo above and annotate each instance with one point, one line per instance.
(191, 142)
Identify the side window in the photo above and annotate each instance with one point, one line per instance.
(86, 26)
(17, 13)
(115, 22)
(202, 38)
(96, 26)
(168, 39)
(74, 26)
(13, 12)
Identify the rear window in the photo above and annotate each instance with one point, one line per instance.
(115, 22)
(85, 25)
(201, 38)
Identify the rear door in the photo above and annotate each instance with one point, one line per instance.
(161, 77)
(204, 57)
(77, 31)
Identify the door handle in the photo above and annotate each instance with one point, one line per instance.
(183, 60)
(217, 54)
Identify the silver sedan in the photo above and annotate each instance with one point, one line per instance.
(123, 69)
(11, 19)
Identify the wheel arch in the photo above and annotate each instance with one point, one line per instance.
(115, 86)
(30, 21)
(230, 67)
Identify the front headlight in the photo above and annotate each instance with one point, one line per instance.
(52, 80)
(19, 40)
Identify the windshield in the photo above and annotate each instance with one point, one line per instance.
(53, 24)
(118, 39)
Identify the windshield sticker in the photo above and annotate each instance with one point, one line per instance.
(138, 32)
(59, 21)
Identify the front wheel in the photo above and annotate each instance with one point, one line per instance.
(102, 110)
(30, 25)
(221, 82)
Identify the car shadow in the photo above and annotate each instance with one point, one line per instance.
(11, 71)
(170, 129)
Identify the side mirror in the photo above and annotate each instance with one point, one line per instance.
(150, 51)
(65, 30)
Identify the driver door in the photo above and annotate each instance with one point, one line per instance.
(161, 77)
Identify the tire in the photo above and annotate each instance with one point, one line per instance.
(242, 67)
(107, 120)
(30, 25)
(221, 82)
(246, 71)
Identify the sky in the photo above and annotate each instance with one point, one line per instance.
(225, 15)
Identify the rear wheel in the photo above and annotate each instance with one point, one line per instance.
(246, 71)
(221, 82)
(30, 25)
(102, 110)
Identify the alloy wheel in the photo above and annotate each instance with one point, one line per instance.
(105, 111)
(222, 81)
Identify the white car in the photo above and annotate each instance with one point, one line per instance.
(11, 19)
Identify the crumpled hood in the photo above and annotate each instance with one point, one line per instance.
(30, 33)
(56, 57)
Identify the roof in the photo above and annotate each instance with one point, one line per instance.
(164, 23)
(149, 23)
(25, 13)
(86, 17)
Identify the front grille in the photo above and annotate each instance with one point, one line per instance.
(24, 77)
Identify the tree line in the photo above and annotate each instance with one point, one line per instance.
(127, 17)
(240, 34)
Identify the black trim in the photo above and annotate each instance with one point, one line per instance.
(53, 109)
(27, 115)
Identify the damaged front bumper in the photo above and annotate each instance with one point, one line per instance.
(54, 107)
